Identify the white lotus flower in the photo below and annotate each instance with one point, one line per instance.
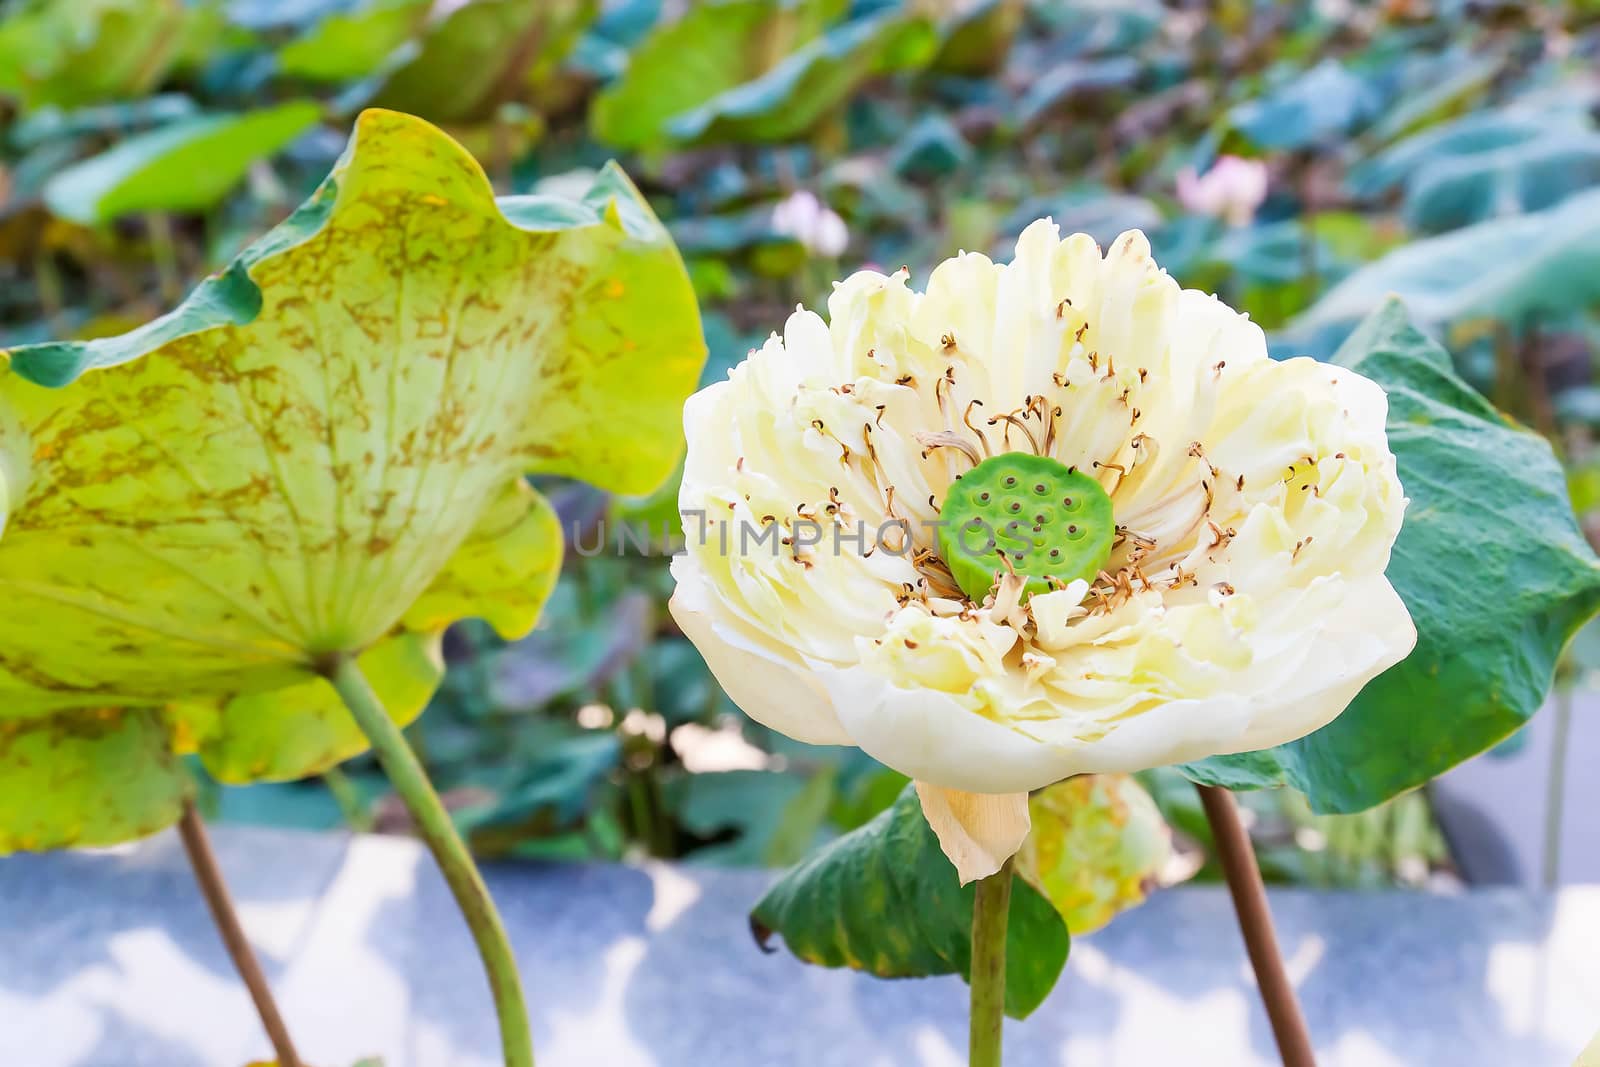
(811, 222)
(1232, 189)
(1196, 565)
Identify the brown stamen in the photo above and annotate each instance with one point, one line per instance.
(946, 439)
(1012, 420)
(966, 417)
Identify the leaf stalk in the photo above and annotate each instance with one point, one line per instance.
(1238, 859)
(208, 876)
(433, 824)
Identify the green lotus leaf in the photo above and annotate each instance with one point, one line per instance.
(1512, 269)
(352, 43)
(711, 49)
(322, 452)
(1097, 843)
(884, 899)
(975, 39)
(1320, 105)
(188, 165)
(480, 55)
(75, 52)
(810, 83)
(1491, 565)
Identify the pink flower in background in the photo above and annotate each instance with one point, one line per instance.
(811, 222)
(1232, 189)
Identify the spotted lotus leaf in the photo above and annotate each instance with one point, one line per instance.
(320, 453)
(1095, 847)
(90, 776)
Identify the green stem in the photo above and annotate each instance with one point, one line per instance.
(164, 254)
(437, 831)
(1556, 787)
(49, 290)
(990, 910)
(345, 794)
(639, 807)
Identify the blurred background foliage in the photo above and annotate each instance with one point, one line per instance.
(1301, 159)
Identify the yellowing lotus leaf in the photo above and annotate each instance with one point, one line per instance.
(1095, 848)
(322, 453)
(288, 733)
(91, 776)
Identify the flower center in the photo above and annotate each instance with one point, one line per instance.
(1028, 515)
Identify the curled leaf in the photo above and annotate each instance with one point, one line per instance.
(322, 450)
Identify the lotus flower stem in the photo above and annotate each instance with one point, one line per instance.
(990, 910)
(1238, 860)
(406, 774)
(208, 874)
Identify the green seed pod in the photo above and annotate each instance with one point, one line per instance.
(1051, 523)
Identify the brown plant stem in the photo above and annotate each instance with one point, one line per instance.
(1238, 860)
(208, 875)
